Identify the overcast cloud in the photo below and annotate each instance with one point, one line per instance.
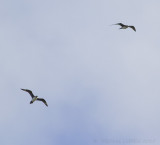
(101, 83)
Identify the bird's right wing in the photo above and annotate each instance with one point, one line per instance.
(29, 91)
(120, 24)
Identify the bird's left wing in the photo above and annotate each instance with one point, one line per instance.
(133, 28)
(44, 101)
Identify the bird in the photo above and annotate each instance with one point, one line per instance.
(125, 26)
(35, 98)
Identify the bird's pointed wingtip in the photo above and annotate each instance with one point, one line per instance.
(115, 24)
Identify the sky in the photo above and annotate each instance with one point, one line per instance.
(101, 83)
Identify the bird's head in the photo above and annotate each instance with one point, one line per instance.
(31, 102)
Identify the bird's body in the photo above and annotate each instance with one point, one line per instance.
(126, 26)
(35, 98)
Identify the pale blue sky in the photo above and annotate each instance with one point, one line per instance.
(101, 83)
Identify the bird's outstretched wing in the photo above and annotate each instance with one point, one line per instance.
(133, 28)
(44, 101)
(119, 24)
(29, 91)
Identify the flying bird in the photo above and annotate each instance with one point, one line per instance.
(125, 26)
(35, 98)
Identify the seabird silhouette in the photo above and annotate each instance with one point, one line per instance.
(125, 26)
(35, 98)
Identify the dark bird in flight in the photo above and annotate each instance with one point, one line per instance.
(125, 26)
(35, 98)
